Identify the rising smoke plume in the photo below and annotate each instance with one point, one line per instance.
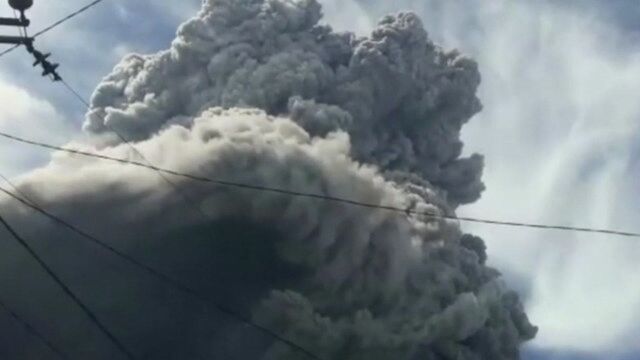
(257, 91)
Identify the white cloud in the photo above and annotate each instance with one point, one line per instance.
(347, 16)
(25, 115)
(572, 120)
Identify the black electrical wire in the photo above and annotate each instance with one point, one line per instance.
(252, 187)
(68, 17)
(56, 24)
(33, 330)
(65, 288)
(465, 219)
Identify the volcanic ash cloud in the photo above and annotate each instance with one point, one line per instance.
(257, 92)
(402, 99)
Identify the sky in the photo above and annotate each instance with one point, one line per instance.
(559, 129)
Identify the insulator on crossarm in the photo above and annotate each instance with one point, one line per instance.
(21, 5)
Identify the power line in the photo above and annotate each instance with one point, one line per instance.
(90, 314)
(23, 199)
(252, 187)
(68, 17)
(56, 24)
(465, 219)
(32, 330)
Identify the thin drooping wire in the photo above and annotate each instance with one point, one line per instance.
(465, 219)
(20, 32)
(88, 312)
(56, 24)
(23, 199)
(32, 330)
(68, 17)
(315, 196)
(16, 190)
(347, 201)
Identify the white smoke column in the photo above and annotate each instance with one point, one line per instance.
(255, 91)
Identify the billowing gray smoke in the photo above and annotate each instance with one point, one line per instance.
(402, 100)
(256, 91)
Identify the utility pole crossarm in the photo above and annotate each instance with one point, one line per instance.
(14, 22)
(48, 68)
(15, 40)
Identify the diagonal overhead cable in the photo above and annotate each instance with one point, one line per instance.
(65, 288)
(57, 23)
(33, 331)
(252, 187)
(68, 17)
